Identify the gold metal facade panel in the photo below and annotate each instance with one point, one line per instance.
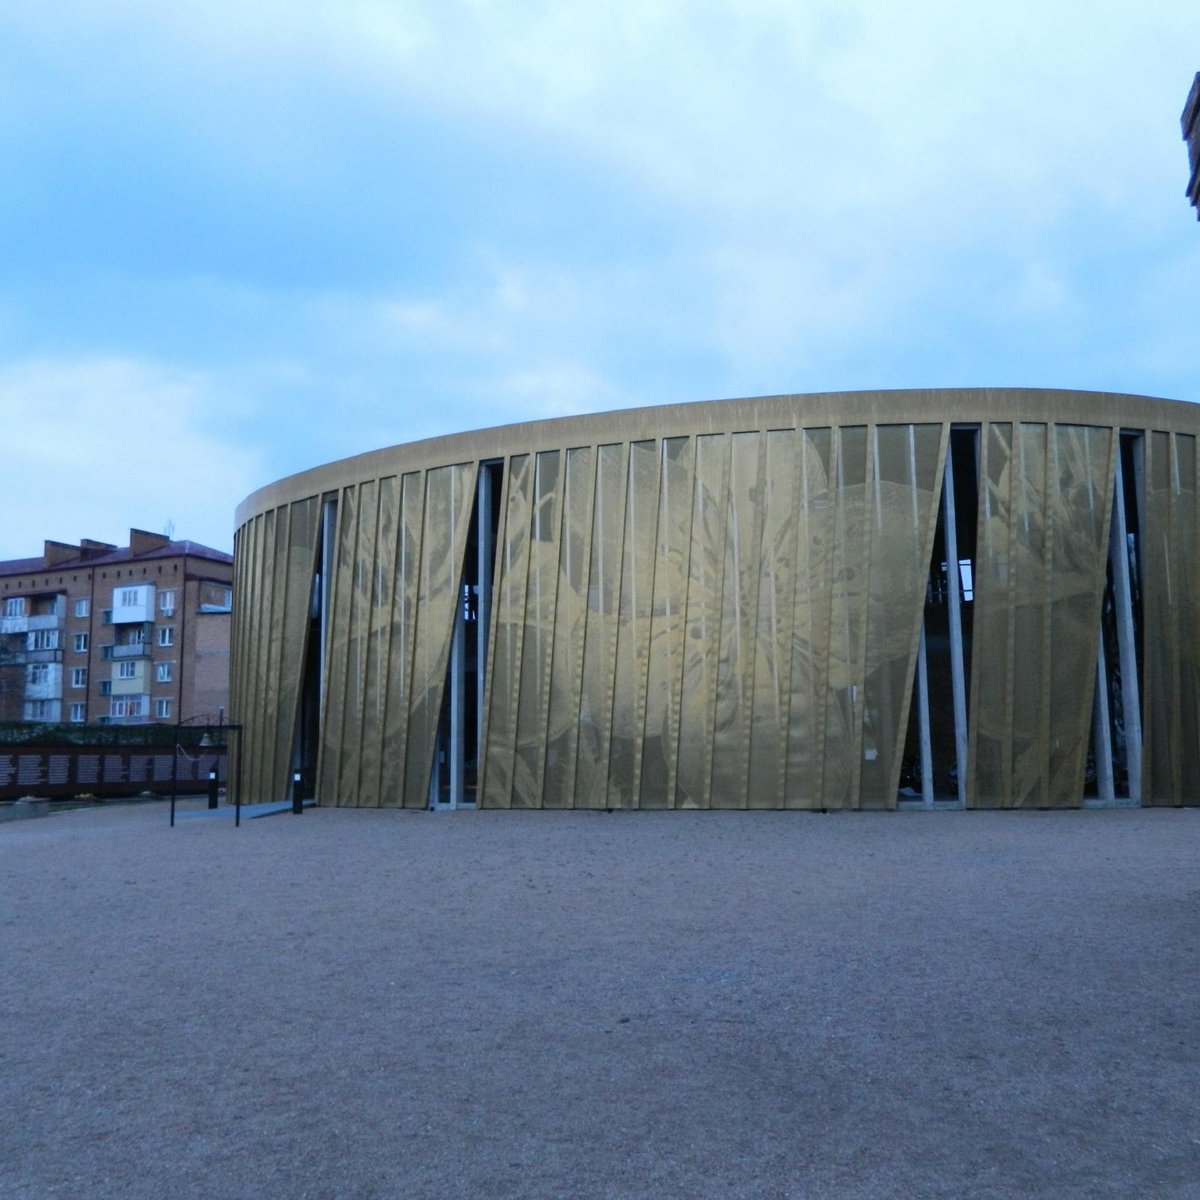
(1169, 590)
(734, 707)
(847, 620)
(382, 575)
(903, 517)
(810, 621)
(508, 627)
(405, 601)
(600, 636)
(355, 735)
(338, 744)
(1045, 499)
(292, 611)
(267, 685)
(1081, 499)
(570, 629)
(706, 574)
(766, 775)
(990, 773)
(537, 642)
(664, 681)
(633, 625)
(449, 493)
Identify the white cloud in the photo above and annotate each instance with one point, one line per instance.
(93, 447)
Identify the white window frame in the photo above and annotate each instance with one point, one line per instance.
(41, 639)
(83, 607)
(38, 674)
(162, 708)
(14, 606)
(78, 712)
(166, 602)
(126, 669)
(128, 598)
(166, 635)
(79, 677)
(81, 643)
(164, 672)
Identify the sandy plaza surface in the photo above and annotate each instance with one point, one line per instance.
(576, 1004)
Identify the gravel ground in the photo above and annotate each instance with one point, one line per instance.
(383, 1004)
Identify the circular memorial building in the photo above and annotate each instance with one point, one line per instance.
(979, 597)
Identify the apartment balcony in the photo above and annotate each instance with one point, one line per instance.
(27, 623)
(39, 656)
(52, 620)
(50, 689)
(132, 650)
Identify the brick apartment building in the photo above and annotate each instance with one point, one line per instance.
(101, 634)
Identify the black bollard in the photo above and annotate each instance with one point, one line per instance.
(297, 799)
(212, 789)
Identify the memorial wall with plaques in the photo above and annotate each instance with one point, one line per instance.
(105, 771)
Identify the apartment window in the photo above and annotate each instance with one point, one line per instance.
(79, 677)
(127, 706)
(39, 673)
(166, 602)
(106, 651)
(78, 713)
(162, 709)
(42, 639)
(137, 637)
(81, 642)
(118, 708)
(163, 672)
(41, 710)
(14, 606)
(127, 597)
(106, 616)
(83, 607)
(106, 687)
(166, 635)
(127, 670)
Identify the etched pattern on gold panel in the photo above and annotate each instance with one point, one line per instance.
(292, 618)
(734, 708)
(706, 573)
(780, 498)
(449, 493)
(847, 618)
(336, 651)
(1082, 481)
(633, 626)
(1046, 492)
(400, 654)
(260, 745)
(508, 626)
(903, 518)
(357, 615)
(381, 565)
(570, 625)
(990, 760)
(1169, 582)
(537, 642)
(810, 620)
(600, 634)
(664, 685)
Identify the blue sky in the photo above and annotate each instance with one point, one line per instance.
(242, 237)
